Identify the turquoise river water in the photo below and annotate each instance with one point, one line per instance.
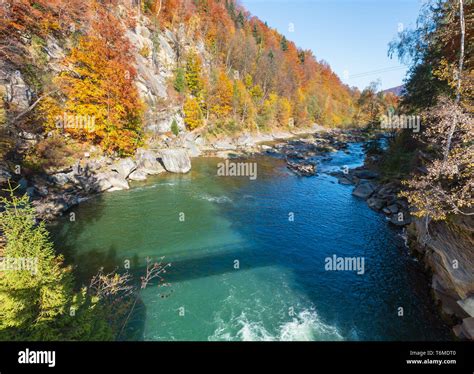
(248, 259)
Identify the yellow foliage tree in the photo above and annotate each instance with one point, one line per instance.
(244, 107)
(192, 113)
(221, 98)
(283, 111)
(269, 109)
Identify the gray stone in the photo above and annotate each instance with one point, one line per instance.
(344, 180)
(4, 175)
(163, 124)
(125, 167)
(116, 181)
(53, 49)
(147, 161)
(176, 160)
(245, 140)
(366, 174)
(18, 94)
(375, 203)
(192, 148)
(400, 220)
(363, 190)
(468, 305)
(458, 332)
(224, 145)
(138, 175)
(102, 184)
(467, 328)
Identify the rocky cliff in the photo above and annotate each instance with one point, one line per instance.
(447, 250)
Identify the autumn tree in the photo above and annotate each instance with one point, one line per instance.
(193, 116)
(445, 187)
(193, 74)
(100, 85)
(221, 95)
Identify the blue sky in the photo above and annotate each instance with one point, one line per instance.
(351, 35)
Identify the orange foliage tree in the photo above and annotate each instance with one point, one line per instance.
(100, 84)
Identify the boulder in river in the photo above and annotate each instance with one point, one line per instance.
(113, 179)
(343, 178)
(303, 169)
(400, 219)
(176, 160)
(375, 203)
(147, 161)
(364, 190)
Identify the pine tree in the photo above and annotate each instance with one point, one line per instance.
(180, 80)
(37, 299)
(193, 75)
(174, 127)
(284, 44)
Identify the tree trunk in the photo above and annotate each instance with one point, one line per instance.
(458, 88)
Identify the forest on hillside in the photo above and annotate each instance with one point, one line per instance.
(233, 72)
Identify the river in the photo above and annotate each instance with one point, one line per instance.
(248, 256)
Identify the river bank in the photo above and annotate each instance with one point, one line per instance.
(56, 192)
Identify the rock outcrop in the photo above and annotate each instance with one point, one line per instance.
(448, 251)
(125, 167)
(147, 162)
(116, 181)
(176, 160)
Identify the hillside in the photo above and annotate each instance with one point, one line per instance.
(398, 90)
(135, 72)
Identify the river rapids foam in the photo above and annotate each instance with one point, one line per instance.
(306, 326)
